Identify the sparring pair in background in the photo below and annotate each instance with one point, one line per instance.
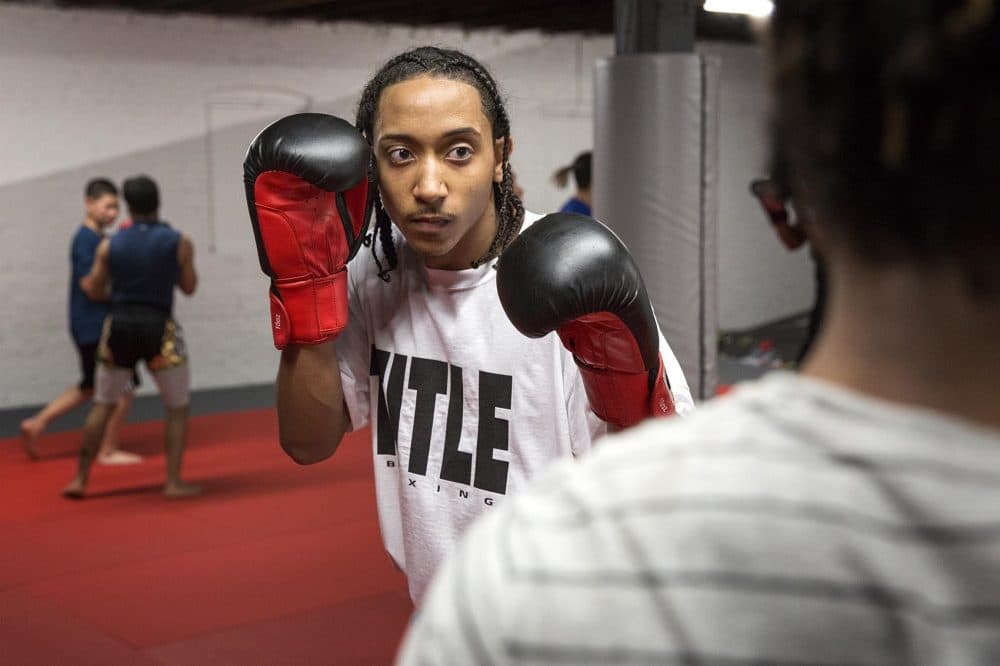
(437, 336)
(137, 270)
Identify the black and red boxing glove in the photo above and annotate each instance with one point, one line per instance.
(307, 188)
(570, 274)
(771, 199)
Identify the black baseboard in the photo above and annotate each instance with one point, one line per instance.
(149, 407)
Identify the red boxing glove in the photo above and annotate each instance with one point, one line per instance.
(620, 387)
(570, 274)
(307, 190)
(773, 201)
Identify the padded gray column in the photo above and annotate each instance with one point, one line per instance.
(655, 184)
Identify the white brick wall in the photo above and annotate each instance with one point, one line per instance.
(89, 93)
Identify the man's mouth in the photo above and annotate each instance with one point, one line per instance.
(428, 221)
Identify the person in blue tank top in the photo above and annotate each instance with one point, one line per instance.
(86, 317)
(580, 168)
(138, 270)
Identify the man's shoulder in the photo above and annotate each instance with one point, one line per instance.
(85, 235)
(84, 246)
(747, 413)
(168, 230)
(574, 205)
(724, 448)
(673, 495)
(784, 445)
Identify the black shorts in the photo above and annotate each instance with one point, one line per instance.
(134, 333)
(88, 356)
(88, 361)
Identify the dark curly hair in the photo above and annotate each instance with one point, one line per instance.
(450, 64)
(887, 121)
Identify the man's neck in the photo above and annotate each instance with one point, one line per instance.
(93, 225)
(912, 337)
(584, 196)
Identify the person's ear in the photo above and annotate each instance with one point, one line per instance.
(498, 157)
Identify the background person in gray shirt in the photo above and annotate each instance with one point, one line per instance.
(847, 515)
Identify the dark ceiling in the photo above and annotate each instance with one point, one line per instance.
(589, 16)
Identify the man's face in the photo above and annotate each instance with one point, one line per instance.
(437, 163)
(103, 210)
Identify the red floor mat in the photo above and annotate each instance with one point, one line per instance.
(276, 563)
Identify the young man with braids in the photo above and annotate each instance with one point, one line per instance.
(846, 515)
(412, 338)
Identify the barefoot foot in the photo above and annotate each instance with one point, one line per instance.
(30, 430)
(75, 489)
(118, 457)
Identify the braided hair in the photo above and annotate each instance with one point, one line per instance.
(455, 65)
(887, 117)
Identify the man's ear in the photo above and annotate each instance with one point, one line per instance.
(498, 157)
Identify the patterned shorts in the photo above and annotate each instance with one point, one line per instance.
(140, 333)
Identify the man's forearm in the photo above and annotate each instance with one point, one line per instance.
(312, 415)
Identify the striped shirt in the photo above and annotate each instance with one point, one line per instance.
(791, 523)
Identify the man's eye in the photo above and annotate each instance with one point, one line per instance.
(399, 155)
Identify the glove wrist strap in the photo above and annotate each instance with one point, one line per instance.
(661, 399)
(624, 398)
(308, 311)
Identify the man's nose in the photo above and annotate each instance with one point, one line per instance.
(430, 185)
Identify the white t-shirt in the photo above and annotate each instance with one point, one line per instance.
(463, 407)
(793, 522)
